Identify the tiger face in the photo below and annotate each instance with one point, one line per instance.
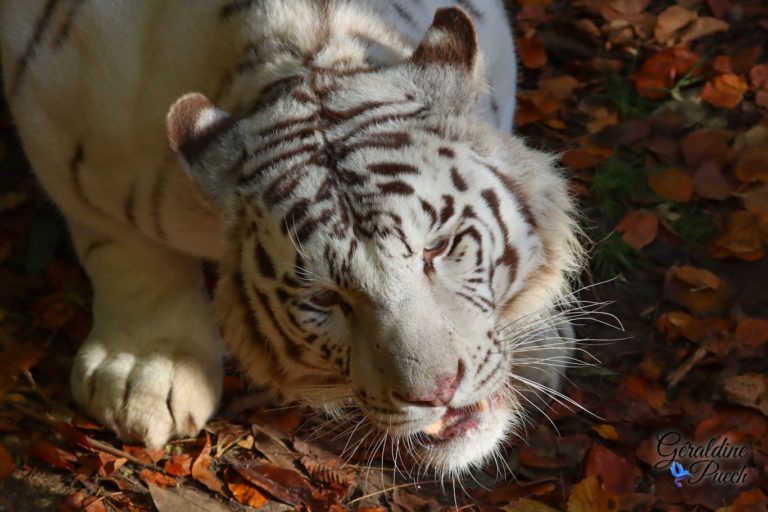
(380, 238)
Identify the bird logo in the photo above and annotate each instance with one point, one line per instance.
(679, 472)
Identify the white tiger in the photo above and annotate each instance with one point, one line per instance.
(349, 165)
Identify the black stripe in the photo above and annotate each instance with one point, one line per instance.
(31, 50)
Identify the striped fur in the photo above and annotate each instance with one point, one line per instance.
(348, 163)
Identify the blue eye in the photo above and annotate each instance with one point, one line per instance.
(326, 298)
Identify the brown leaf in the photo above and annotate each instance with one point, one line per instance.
(178, 465)
(724, 91)
(752, 332)
(606, 431)
(756, 200)
(51, 455)
(701, 302)
(698, 278)
(673, 323)
(710, 183)
(176, 499)
(578, 159)
(285, 484)
(531, 51)
(638, 228)
(201, 469)
(618, 475)
(672, 184)
(589, 496)
(747, 390)
(7, 466)
(742, 239)
(527, 505)
(704, 145)
(701, 27)
(662, 70)
(652, 393)
(247, 495)
(748, 501)
(752, 165)
(670, 21)
(534, 106)
(54, 311)
(154, 478)
(739, 423)
(559, 87)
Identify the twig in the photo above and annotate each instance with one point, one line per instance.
(676, 376)
(393, 488)
(99, 445)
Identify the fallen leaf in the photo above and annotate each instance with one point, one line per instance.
(178, 465)
(638, 228)
(534, 106)
(672, 324)
(752, 165)
(671, 20)
(652, 393)
(704, 145)
(747, 390)
(52, 455)
(748, 501)
(287, 485)
(618, 475)
(662, 70)
(531, 51)
(589, 496)
(158, 479)
(752, 332)
(672, 184)
(702, 27)
(578, 159)
(724, 91)
(7, 466)
(606, 431)
(755, 201)
(178, 499)
(741, 240)
(698, 278)
(201, 468)
(247, 495)
(700, 302)
(527, 505)
(709, 182)
(559, 87)
(740, 423)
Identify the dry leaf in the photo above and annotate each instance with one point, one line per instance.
(698, 278)
(154, 478)
(638, 228)
(701, 27)
(701, 302)
(527, 505)
(752, 332)
(752, 165)
(534, 106)
(560, 87)
(606, 431)
(755, 200)
(7, 466)
(618, 475)
(531, 51)
(178, 465)
(672, 324)
(704, 145)
(670, 21)
(724, 91)
(247, 495)
(662, 70)
(201, 469)
(748, 390)
(178, 499)
(52, 455)
(589, 496)
(672, 184)
(284, 484)
(742, 239)
(710, 183)
(649, 392)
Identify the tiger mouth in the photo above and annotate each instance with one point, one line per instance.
(456, 422)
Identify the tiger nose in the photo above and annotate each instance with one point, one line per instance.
(441, 395)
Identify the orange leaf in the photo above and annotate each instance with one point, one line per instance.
(670, 21)
(672, 323)
(742, 239)
(618, 475)
(696, 277)
(660, 72)
(51, 455)
(247, 495)
(606, 431)
(724, 91)
(710, 183)
(531, 51)
(157, 479)
(649, 392)
(7, 466)
(672, 184)
(756, 200)
(752, 332)
(704, 145)
(699, 330)
(638, 228)
(534, 106)
(589, 496)
(201, 469)
(178, 465)
(749, 390)
(752, 165)
(578, 159)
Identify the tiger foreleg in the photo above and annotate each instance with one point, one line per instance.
(151, 366)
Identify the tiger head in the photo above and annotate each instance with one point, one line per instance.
(379, 238)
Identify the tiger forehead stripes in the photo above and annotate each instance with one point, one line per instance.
(387, 250)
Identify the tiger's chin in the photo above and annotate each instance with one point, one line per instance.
(467, 438)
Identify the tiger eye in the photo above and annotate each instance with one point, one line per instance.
(435, 250)
(326, 298)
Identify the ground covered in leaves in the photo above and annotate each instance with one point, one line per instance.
(660, 113)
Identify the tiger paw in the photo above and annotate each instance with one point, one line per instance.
(151, 395)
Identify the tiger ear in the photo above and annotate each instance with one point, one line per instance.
(447, 62)
(451, 40)
(206, 145)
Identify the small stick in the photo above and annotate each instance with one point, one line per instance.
(676, 376)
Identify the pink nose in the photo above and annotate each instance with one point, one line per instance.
(442, 395)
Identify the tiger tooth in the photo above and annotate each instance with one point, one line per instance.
(434, 428)
(483, 405)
